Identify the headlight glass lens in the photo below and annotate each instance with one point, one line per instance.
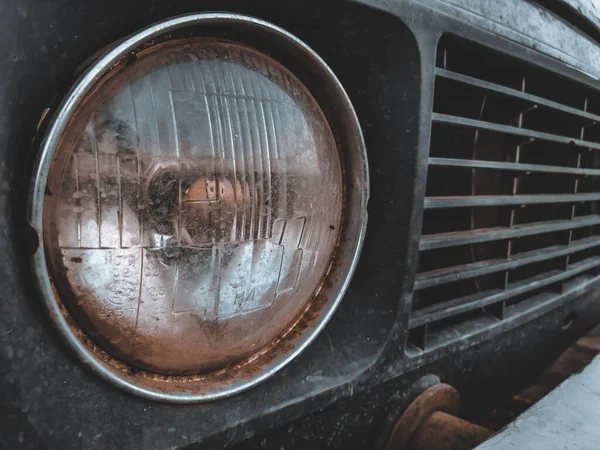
(196, 198)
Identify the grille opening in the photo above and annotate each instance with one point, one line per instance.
(589, 159)
(538, 242)
(451, 142)
(436, 334)
(584, 233)
(456, 256)
(569, 93)
(443, 324)
(458, 55)
(475, 61)
(594, 103)
(441, 221)
(586, 184)
(532, 270)
(549, 120)
(448, 181)
(437, 221)
(463, 288)
(592, 132)
(511, 219)
(468, 142)
(581, 256)
(466, 181)
(545, 183)
(416, 339)
(476, 102)
(549, 154)
(541, 213)
(585, 209)
(548, 292)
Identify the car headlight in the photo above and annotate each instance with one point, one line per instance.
(193, 194)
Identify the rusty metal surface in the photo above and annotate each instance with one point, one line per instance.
(440, 397)
(430, 423)
(442, 431)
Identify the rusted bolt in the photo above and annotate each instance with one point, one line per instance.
(429, 423)
(445, 431)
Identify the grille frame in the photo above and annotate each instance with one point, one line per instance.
(450, 339)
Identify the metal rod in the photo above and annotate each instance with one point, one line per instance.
(441, 240)
(460, 305)
(499, 165)
(502, 200)
(532, 134)
(479, 268)
(514, 93)
(442, 431)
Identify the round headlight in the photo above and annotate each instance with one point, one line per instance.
(193, 195)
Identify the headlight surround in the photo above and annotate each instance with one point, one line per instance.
(225, 379)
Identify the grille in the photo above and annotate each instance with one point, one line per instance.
(511, 216)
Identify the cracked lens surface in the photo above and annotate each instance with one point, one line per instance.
(194, 205)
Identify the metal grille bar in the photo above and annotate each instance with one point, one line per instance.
(514, 93)
(455, 273)
(452, 239)
(503, 200)
(482, 125)
(468, 303)
(512, 206)
(475, 164)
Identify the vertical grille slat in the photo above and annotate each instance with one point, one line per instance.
(510, 217)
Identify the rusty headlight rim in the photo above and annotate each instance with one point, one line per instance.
(353, 157)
